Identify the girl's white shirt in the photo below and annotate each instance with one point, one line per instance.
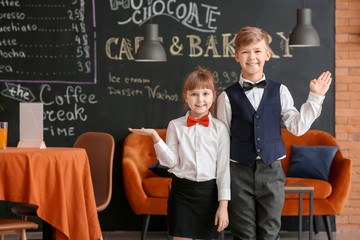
(197, 153)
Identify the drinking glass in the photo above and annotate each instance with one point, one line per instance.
(3, 134)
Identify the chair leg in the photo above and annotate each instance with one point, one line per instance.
(47, 231)
(328, 226)
(146, 220)
(23, 234)
(316, 224)
(222, 235)
(2, 237)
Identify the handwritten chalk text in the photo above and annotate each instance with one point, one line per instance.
(17, 92)
(127, 80)
(6, 68)
(155, 93)
(12, 54)
(73, 96)
(201, 17)
(148, 91)
(122, 48)
(9, 3)
(17, 27)
(60, 131)
(127, 92)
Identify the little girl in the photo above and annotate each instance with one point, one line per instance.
(197, 153)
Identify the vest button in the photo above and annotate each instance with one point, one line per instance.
(258, 139)
(257, 116)
(258, 150)
(257, 127)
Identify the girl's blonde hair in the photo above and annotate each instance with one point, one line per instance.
(200, 79)
(249, 35)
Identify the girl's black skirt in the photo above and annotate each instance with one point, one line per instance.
(191, 209)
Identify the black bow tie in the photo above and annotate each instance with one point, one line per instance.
(248, 86)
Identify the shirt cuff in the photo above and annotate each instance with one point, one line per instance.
(224, 194)
(160, 146)
(316, 98)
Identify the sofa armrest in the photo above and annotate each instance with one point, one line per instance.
(133, 185)
(340, 179)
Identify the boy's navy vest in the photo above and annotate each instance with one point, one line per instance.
(256, 133)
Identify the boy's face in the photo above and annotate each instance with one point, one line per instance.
(199, 101)
(252, 58)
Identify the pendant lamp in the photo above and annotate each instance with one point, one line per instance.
(304, 34)
(151, 49)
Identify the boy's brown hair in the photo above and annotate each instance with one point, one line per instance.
(249, 35)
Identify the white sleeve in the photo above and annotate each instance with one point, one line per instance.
(297, 122)
(167, 153)
(223, 112)
(223, 166)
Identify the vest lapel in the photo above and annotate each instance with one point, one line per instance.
(264, 96)
(250, 107)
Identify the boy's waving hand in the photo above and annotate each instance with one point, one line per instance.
(321, 85)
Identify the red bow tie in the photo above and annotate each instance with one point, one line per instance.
(192, 121)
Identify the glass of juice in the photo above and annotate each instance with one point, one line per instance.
(3, 134)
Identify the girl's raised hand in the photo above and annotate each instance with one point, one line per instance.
(321, 85)
(147, 132)
(142, 131)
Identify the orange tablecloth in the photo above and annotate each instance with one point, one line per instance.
(58, 181)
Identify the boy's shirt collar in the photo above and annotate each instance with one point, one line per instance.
(242, 80)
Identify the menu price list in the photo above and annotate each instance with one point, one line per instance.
(47, 41)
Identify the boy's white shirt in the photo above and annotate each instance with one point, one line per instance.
(197, 153)
(296, 122)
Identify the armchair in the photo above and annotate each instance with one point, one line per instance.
(329, 197)
(146, 192)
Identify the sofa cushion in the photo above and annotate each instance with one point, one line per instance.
(157, 186)
(322, 189)
(160, 170)
(311, 161)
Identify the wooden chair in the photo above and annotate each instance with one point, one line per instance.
(100, 150)
(11, 226)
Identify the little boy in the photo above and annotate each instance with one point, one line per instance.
(253, 115)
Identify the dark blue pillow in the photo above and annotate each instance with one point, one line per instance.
(160, 170)
(311, 161)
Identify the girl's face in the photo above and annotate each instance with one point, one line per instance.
(199, 101)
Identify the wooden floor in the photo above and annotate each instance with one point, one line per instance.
(228, 236)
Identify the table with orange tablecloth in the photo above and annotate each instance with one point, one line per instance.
(58, 181)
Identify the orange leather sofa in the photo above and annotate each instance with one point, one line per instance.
(147, 193)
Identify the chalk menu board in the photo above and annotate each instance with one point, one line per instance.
(48, 41)
(77, 57)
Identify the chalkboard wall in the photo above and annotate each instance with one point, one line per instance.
(77, 57)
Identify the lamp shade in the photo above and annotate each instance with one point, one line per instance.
(304, 34)
(151, 49)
